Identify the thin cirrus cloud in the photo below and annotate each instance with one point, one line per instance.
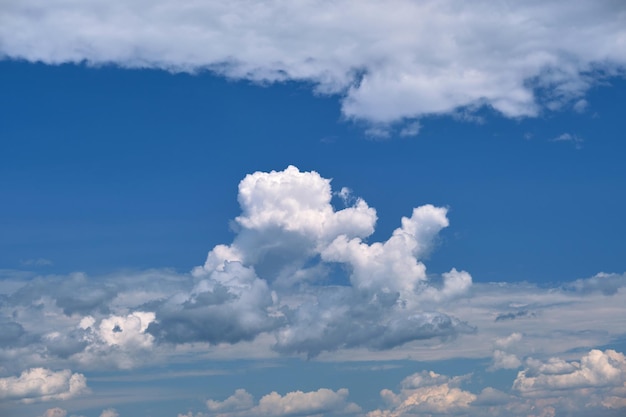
(388, 62)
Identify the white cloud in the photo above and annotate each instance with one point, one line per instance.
(40, 384)
(593, 386)
(110, 412)
(55, 412)
(411, 129)
(596, 369)
(297, 403)
(400, 59)
(568, 137)
(504, 360)
(424, 393)
(300, 277)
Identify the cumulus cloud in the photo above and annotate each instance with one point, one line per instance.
(109, 412)
(302, 276)
(596, 369)
(425, 393)
(387, 61)
(40, 384)
(592, 386)
(607, 284)
(290, 235)
(296, 403)
(298, 270)
(55, 412)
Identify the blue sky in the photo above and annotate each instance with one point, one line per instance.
(277, 209)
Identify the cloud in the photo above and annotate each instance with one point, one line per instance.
(607, 284)
(36, 262)
(55, 412)
(387, 62)
(110, 412)
(596, 369)
(296, 403)
(424, 393)
(290, 235)
(40, 384)
(303, 277)
(567, 137)
(593, 386)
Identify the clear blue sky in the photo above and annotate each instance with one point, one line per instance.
(176, 238)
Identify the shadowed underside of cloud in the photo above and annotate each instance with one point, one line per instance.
(388, 61)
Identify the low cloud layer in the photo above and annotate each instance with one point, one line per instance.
(399, 60)
(297, 403)
(593, 385)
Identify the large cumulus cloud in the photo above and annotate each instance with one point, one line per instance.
(289, 232)
(302, 276)
(299, 272)
(400, 59)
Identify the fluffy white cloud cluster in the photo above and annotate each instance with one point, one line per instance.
(288, 222)
(119, 340)
(593, 386)
(41, 384)
(299, 274)
(296, 403)
(596, 369)
(400, 59)
(425, 393)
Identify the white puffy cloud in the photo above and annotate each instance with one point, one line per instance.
(109, 412)
(290, 234)
(301, 277)
(391, 266)
(41, 384)
(502, 357)
(121, 341)
(296, 403)
(286, 218)
(504, 360)
(55, 412)
(596, 369)
(425, 393)
(400, 59)
(594, 386)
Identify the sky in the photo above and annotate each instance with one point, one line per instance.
(315, 208)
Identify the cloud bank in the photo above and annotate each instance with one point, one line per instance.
(399, 60)
(302, 277)
(594, 385)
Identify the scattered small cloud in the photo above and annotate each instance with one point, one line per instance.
(567, 137)
(36, 262)
(580, 106)
(411, 129)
